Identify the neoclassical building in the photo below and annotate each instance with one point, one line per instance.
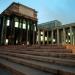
(18, 25)
(54, 32)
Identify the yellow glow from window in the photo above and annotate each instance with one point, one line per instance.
(24, 26)
(8, 22)
(16, 24)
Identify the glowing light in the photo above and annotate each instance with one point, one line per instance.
(54, 40)
(41, 38)
(24, 26)
(41, 33)
(6, 41)
(8, 22)
(68, 34)
(16, 24)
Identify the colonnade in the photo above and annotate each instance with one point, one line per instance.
(17, 31)
(64, 35)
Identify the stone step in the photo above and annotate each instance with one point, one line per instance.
(47, 67)
(47, 54)
(33, 47)
(66, 62)
(47, 46)
(56, 50)
(40, 50)
(19, 69)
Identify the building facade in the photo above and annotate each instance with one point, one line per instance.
(18, 25)
(55, 33)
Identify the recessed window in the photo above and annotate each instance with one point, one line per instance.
(8, 22)
(41, 38)
(28, 26)
(35, 28)
(41, 33)
(6, 41)
(16, 41)
(16, 24)
(24, 26)
(45, 38)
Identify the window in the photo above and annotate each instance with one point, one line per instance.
(8, 22)
(6, 41)
(28, 26)
(35, 28)
(16, 24)
(16, 41)
(24, 24)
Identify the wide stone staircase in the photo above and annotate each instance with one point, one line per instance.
(36, 60)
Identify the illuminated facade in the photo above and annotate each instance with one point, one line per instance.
(54, 32)
(18, 25)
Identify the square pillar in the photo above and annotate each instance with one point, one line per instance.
(71, 33)
(33, 34)
(58, 36)
(28, 33)
(39, 39)
(52, 36)
(3, 33)
(64, 36)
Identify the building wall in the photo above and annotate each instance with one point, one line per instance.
(18, 30)
(58, 35)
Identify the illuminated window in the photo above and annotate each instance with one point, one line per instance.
(68, 34)
(35, 28)
(28, 26)
(16, 24)
(54, 40)
(6, 41)
(66, 40)
(45, 38)
(8, 22)
(16, 41)
(24, 26)
(41, 33)
(27, 42)
(41, 38)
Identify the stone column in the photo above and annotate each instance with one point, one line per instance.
(64, 36)
(39, 39)
(3, 35)
(71, 33)
(58, 36)
(43, 37)
(33, 34)
(47, 37)
(52, 36)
